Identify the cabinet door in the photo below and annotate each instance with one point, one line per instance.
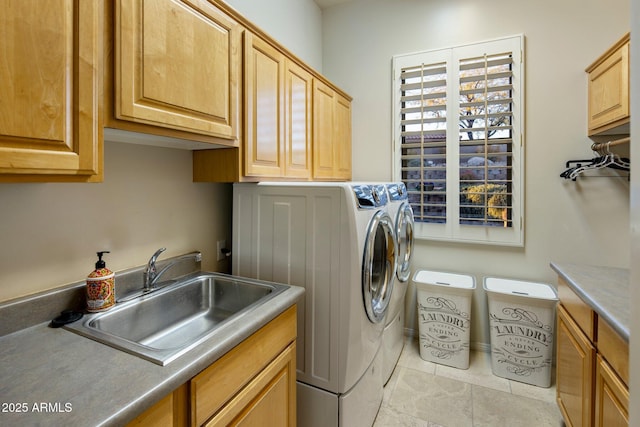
(612, 398)
(342, 139)
(269, 397)
(264, 108)
(323, 154)
(298, 119)
(216, 386)
(172, 410)
(574, 372)
(609, 89)
(177, 66)
(331, 134)
(50, 102)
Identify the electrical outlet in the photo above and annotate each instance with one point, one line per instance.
(222, 244)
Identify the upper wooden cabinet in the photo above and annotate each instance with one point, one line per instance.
(277, 113)
(50, 91)
(331, 134)
(609, 91)
(263, 108)
(280, 116)
(298, 121)
(176, 67)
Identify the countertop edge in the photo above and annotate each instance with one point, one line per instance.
(583, 290)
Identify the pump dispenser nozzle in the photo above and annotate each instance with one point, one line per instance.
(100, 263)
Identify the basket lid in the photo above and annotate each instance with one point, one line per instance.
(517, 287)
(444, 279)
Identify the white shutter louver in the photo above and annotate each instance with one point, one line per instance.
(424, 139)
(485, 140)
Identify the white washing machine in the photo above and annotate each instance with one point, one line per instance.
(337, 241)
(393, 334)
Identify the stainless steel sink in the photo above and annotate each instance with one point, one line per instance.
(162, 325)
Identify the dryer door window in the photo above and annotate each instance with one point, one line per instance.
(404, 234)
(379, 266)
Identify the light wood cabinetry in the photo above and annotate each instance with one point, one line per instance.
(176, 68)
(277, 113)
(264, 68)
(253, 382)
(267, 397)
(288, 133)
(50, 91)
(331, 134)
(277, 121)
(612, 397)
(592, 366)
(574, 378)
(171, 411)
(169, 68)
(609, 91)
(261, 367)
(298, 103)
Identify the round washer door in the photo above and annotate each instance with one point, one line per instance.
(404, 234)
(378, 266)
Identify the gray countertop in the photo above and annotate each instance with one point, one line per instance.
(604, 289)
(56, 377)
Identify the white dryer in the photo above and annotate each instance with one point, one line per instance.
(393, 335)
(337, 241)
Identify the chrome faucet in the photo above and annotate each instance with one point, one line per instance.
(151, 275)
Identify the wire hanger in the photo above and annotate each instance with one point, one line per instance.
(606, 159)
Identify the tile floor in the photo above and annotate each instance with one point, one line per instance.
(425, 394)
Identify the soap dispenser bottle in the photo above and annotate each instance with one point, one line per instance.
(101, 293)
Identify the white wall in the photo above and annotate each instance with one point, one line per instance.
(297, 24)
(583, 222)
(51, 232)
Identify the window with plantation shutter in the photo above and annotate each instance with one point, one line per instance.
(458, 140)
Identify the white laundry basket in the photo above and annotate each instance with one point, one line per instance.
(444, 316)
(522, 322)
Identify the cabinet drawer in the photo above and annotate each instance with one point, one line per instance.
(614, 348)
(213, 387)
(268, 397)
(578, 309)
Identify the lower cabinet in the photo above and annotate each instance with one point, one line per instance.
(612, 397)
(592, 367)
(574, 372)
(171, 411)
(269, 396)
(254, 382)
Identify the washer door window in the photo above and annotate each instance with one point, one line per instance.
(404, 233)
(379, 266)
